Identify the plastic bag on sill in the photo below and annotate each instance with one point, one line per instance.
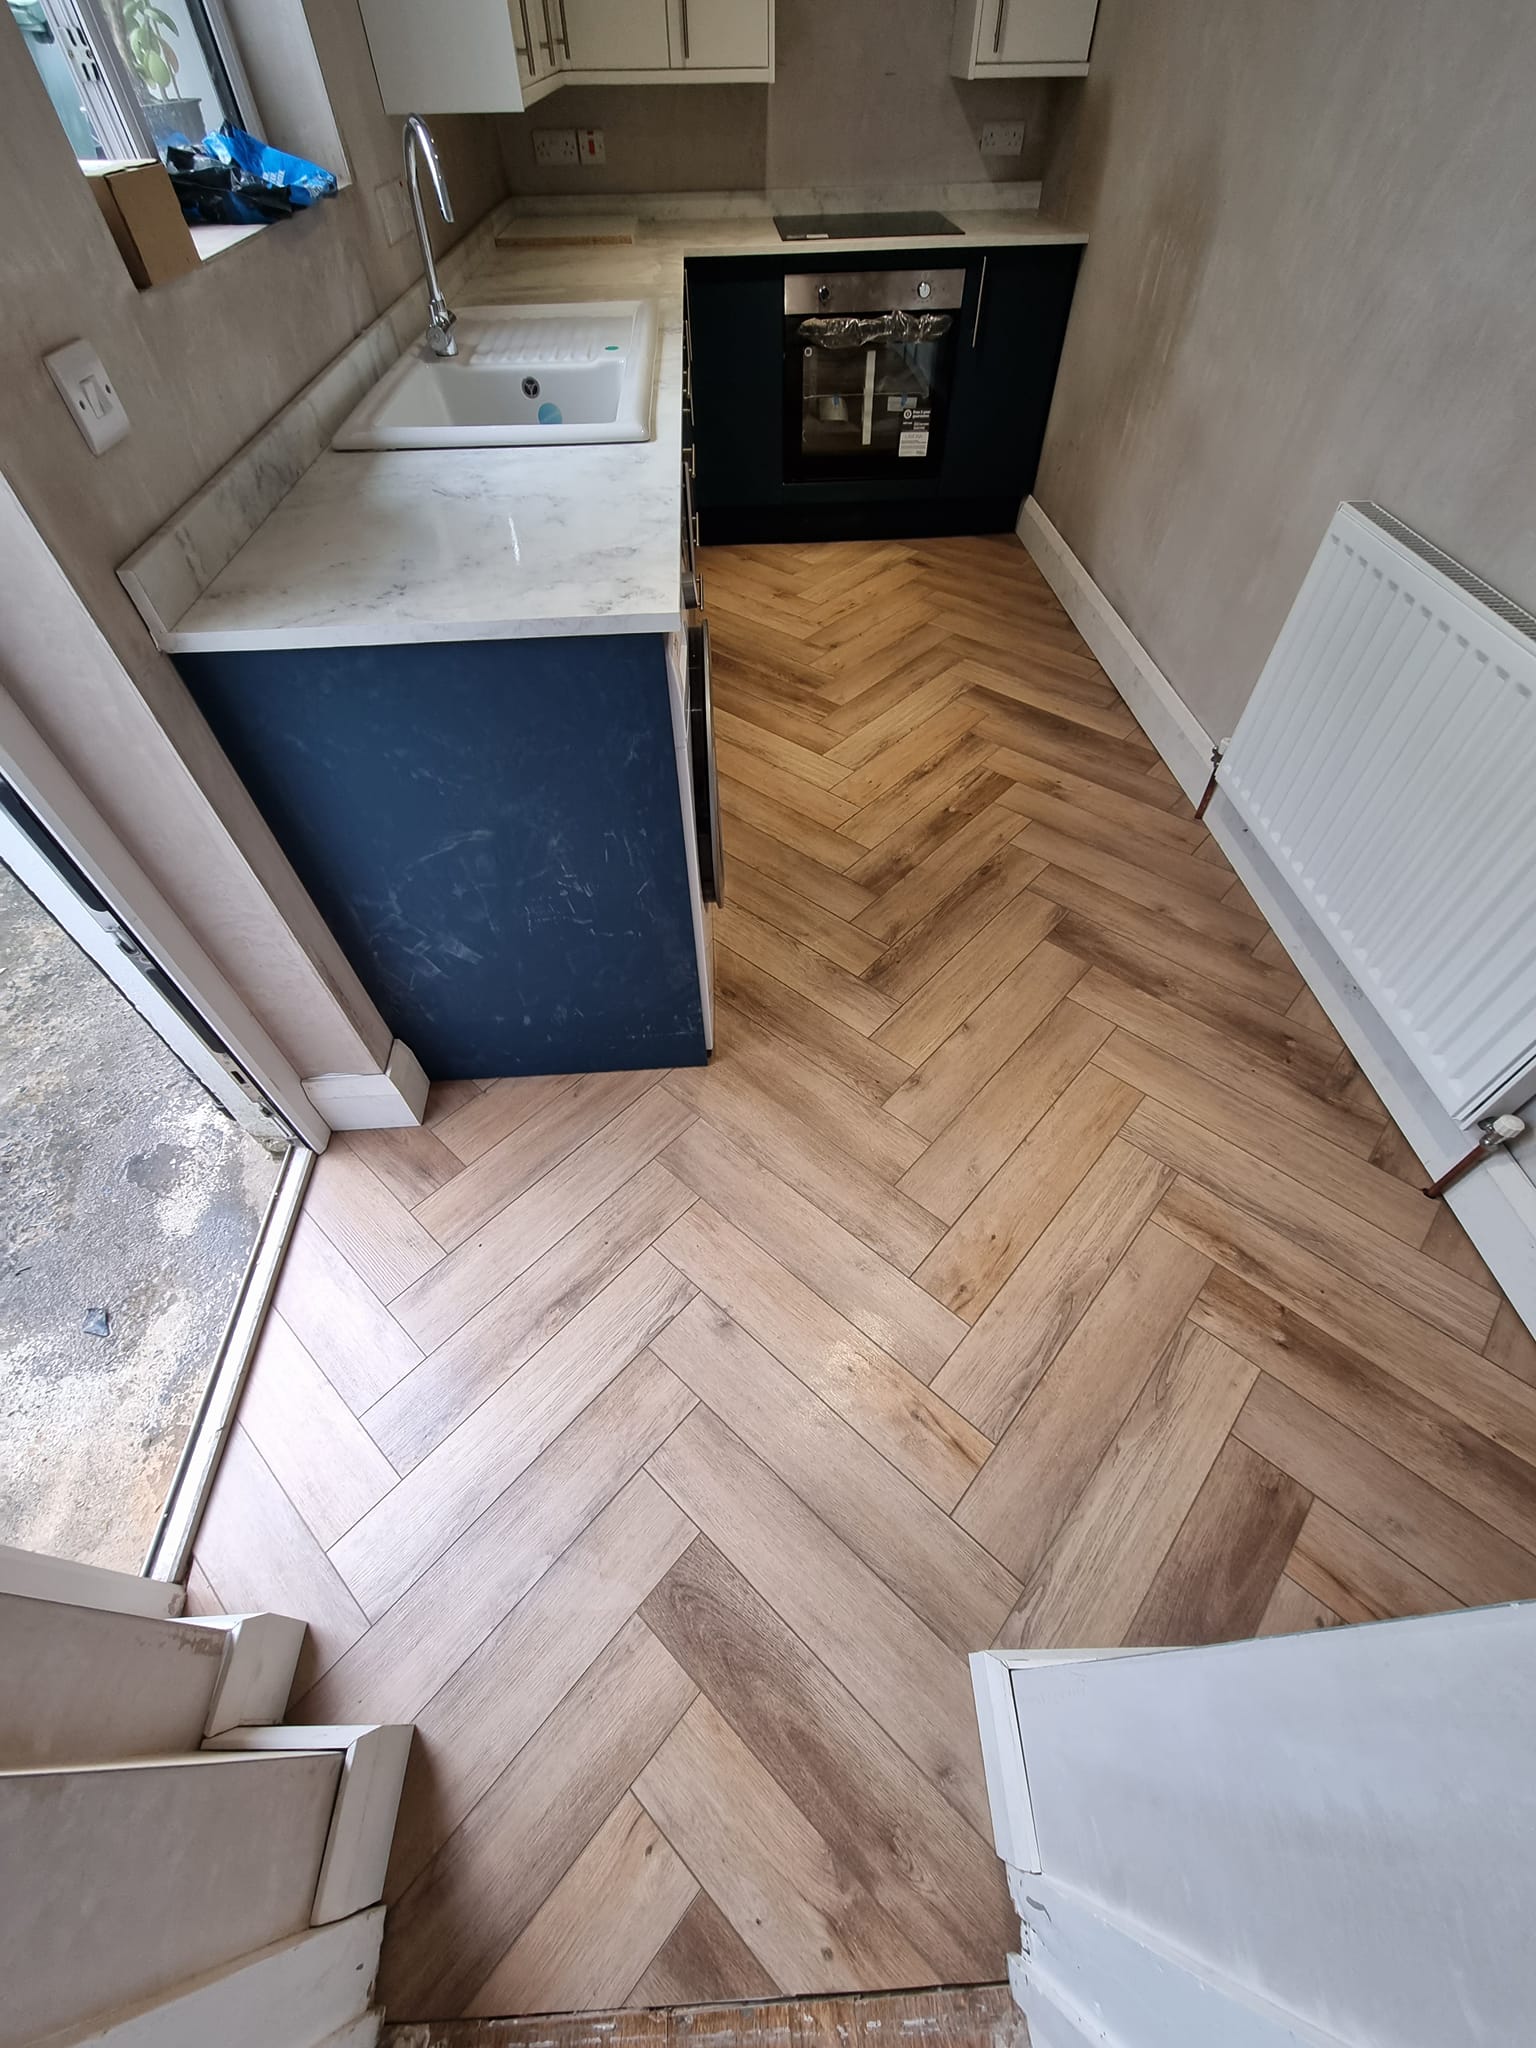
(232, 179)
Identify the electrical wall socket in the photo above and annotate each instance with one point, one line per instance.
(394, 209)
(1002, 138)
(589, 142)
(555, 146)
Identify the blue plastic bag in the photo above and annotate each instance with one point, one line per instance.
(304, 182)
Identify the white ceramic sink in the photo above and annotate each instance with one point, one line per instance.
(524, 377)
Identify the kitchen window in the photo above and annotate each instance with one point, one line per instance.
(129, 77)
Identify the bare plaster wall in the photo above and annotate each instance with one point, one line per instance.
(1311, 276)
(862, 96)
(200, 365)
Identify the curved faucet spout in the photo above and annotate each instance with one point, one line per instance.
(440, 320)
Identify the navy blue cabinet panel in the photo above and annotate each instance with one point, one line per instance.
(1009, 333)
(493, 831)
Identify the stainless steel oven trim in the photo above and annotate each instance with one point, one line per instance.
(873, 291)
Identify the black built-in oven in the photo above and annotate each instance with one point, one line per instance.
(868, 362)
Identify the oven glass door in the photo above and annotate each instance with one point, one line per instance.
(860, 401)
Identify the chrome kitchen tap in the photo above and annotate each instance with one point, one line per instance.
(440, 336)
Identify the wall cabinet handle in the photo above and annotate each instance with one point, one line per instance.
(981, 288)
(682, 18)
(547, 41)
(565, 33)
(527, 49)
(1002, 21)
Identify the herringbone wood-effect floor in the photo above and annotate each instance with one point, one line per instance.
(1030, 1266)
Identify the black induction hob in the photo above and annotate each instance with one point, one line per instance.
(855, 227)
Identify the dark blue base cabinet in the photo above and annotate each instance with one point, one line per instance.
(494, 832)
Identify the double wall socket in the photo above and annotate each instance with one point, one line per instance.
(555, 146)
(1002, 138)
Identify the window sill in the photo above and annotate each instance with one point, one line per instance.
(213, 241)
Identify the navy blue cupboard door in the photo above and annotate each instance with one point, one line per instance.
(493, 831)
(1013, 325)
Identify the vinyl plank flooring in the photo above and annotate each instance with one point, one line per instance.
(385, 1553)
(421, 1409)
(313, 1445)
(942, 1574)
(893, 1410)
(413, 1649)
(1220, 1574)
(1013, 1341)
(1402, 1512)
(899, 1315)
(913, 1685)
(1019, 1501)
(878, 1814)
(1095, 1575)
(704, 1959)
(1029, 1262)
(264, 1557)
(1007, 1216)
(500, 1696)
(484, 1887)
(786, 1893)
(1000, 1115)
(339, 1319)
(374, 1231)
(940, 1089)
(521, 1232)
(510, 1167)
(600, 1927)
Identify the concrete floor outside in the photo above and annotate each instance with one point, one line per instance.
(126, 1188)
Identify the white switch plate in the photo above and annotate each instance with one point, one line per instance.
(555, 146)
(1002, 138)
(87, 390)
(590, 146)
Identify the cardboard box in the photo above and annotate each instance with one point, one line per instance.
(139, 205)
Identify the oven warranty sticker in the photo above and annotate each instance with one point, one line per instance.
(913, 438)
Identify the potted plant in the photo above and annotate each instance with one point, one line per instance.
(147, 36)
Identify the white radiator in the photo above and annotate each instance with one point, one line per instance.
(1387, 764)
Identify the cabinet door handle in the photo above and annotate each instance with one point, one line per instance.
(547, 41)
(565, 33)
(981, 288)
(682, 19)
(527, 49)
(1002, 22)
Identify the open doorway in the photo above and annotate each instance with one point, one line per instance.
(141, 1173)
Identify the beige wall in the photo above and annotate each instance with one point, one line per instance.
(862, 96)
(1311, 276)
(658, 138)
(200, 364)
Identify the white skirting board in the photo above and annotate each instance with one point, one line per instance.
(1496, 1203)
(373, 1102)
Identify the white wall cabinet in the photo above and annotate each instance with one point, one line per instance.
(1022, 38)
(723, 36)
(502, 56)
(614, 35)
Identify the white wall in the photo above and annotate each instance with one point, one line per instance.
(79, 1685)
(121, 1881)
(1338, 1824)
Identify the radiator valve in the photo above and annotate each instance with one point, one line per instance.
(1493, 1134)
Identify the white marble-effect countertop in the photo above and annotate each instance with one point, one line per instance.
(509, 543)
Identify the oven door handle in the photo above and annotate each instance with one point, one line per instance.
(981, 289)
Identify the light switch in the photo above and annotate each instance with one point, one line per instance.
(87, 390)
